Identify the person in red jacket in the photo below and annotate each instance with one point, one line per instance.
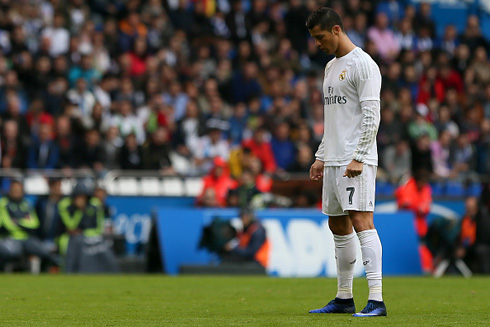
(416, 195)
(430, 86)
(220, 180)
(262, 149)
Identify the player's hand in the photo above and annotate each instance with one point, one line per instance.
(316, 170)
(354, 169)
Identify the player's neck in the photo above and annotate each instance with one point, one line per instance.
(345, 46)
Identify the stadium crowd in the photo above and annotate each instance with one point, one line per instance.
(172, 85)
(230, 90)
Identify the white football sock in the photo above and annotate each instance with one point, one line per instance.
(345, 255)
(371, 258)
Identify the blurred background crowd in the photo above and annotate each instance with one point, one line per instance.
(173, 85)
(231, 90)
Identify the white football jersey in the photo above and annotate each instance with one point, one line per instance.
(351, 91)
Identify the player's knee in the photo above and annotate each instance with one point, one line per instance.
(340, 226)
(362, 222)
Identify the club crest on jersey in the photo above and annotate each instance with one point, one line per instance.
(342, 75)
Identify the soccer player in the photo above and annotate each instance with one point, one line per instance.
(347, 159)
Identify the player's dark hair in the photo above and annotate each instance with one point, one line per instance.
(327, 18)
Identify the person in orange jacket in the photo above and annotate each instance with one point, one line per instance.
(220, 180)
(416, 195)
(251, 243)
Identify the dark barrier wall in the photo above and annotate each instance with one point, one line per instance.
(302, 244)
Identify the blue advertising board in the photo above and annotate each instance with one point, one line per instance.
(132, 216)
(301, 242)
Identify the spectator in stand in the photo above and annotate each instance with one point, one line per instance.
(483, 149)
(263, 181)
(397, 161)
(13, 113)
(157, 151)
(445, 123)
(102, 91)
(304, 158)
(188, 130)
(54, 96)
(85, 71)
(219, 180)
(464, 157)
(421, 154)
(238, 123)
(480, 65)
(131, 157)
(441, 155)
(416, 195)
(238, 22)
(83, 98)
(262, 149)
(139, 57)
(423, 40)
(357, 34)
(127, 122)
(12, 89)
(176, 98)
(208, 147)
(57, 36)
(421, 126)
(450, 78)
(449, 41)
(131, 29)
(245, 192)
(14, 150)
(405, 35)
(430, 85)
(91, 154)
(296, 16)
(111, 146)
(384, 39)
(392, 9)
(282, 146)
(423, 19)
(245, 84)
(43, 152)
(390, 130)
(472, 34)
(67, 142)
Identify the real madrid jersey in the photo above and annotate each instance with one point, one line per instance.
(351, 94)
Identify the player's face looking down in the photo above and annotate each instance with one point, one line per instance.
(327, 41)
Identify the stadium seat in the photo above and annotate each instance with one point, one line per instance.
(193, 186)
(454, 189)
(36, 185)
(474, 189)
(67, 186)
(172, 187)
(111, 187)
(437, 188)
(384, 188)
(150, 186)
(127, 186)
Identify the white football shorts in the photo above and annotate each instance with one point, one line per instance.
(341, 194)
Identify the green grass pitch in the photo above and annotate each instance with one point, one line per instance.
(232, 301)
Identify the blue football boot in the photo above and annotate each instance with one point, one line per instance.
(337, 306)
(372, 309)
